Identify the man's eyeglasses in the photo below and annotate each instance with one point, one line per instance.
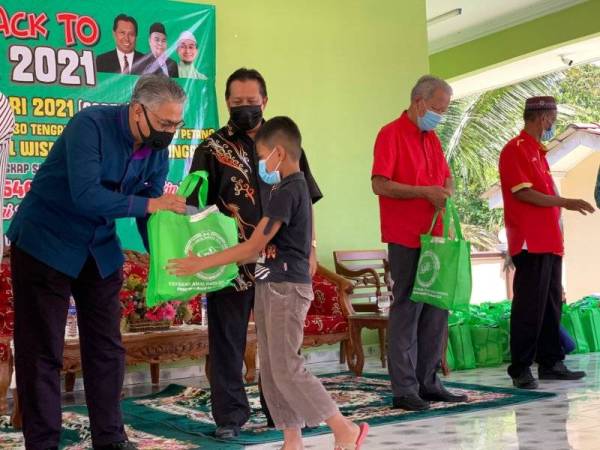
(165, 124)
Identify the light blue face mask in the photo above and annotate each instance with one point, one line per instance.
(548, 134)
(268, 177)
(429, 121)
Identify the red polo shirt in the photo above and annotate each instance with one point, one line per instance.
(523, 164)
(407, 155)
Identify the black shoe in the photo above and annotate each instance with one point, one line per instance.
(559, 372)
(525, 380)
(443, 396)
(124, 445)
(227, 432)
(411, 402)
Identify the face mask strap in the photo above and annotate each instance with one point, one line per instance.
(424, 107)
(552, 122)
(267, 158)
(150, 127)
(270, 154)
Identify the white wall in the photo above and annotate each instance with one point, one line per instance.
(582, 233)
(489, 283)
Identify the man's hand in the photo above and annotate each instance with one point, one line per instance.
(189, 265)
(169, 202)
(581, 206)
(312, 261)
(436, 195)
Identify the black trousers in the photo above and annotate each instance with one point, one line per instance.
(415, 330)
(228, 317)
(536, 311)
(41, 298)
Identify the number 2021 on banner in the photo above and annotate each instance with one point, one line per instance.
(49, 65)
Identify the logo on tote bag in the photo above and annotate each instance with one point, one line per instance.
(203, 244)
(429, 268)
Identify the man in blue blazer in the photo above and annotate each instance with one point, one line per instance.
(109, 162)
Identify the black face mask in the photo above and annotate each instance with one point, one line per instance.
(156, 140)
(247, 117)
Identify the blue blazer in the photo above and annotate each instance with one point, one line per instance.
(90, 178)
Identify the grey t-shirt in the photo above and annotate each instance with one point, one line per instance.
(287, 255)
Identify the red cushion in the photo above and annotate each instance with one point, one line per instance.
(7, 321)
(326, 302)
(4, 352)
(318, 324)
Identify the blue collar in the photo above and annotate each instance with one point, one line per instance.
(124, 118)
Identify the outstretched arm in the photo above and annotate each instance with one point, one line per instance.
(529, 195)
(248, 250)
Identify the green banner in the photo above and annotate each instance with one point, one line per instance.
(60, 56)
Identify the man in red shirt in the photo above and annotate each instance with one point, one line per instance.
(412, 179)
(535, 242)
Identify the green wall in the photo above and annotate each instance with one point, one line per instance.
(341, 69)
(569, 25)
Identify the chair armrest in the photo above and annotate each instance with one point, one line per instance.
(387, 274)
(341, 269)
(344, 286)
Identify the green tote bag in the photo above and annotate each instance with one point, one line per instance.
(590, 321)
(450, 356)
(443, 276)
(571, 320)
(462, 346)
(488, 345)
(172, 235)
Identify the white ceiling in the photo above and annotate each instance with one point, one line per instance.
(482, 17)
(511, 72)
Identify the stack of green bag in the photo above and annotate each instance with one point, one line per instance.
(480, 337)
(489, 340)
(499, 312)
(582, 321)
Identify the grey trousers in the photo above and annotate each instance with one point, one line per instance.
(415, 330)
(295, 397)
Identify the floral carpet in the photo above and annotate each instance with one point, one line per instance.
(179, 418)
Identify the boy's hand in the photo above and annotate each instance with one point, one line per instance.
(189, 265)
(312, 262)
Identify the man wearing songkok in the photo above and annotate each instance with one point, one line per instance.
(532, 214)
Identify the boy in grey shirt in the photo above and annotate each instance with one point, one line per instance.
(294, 396)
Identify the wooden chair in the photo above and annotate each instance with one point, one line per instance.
(327, 318)
(369, 273)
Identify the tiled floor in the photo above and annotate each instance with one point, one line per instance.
(569, 421)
